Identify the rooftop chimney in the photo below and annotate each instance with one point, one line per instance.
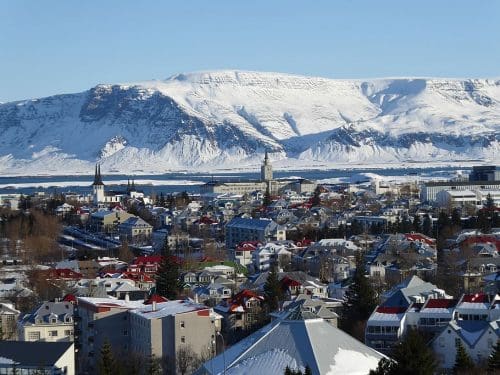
(153, 306)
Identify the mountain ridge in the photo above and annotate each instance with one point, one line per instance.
(221, 119)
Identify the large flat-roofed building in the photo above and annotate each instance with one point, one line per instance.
(429, 190)
(485, 173)
(275, 186)
(154, 327)
(460, 198)
(163, 329)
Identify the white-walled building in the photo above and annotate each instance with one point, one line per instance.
(52, 321)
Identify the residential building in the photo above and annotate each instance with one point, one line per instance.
(8, 319)
(268, 254)
(241, 230)
(477, 338)
(161, 329)
(100, 319)
(53, 358)
(107, 221)
(52, 321)
(135, 228)
(153, 327)
(241, 312)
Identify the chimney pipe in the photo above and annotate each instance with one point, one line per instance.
(153, 306)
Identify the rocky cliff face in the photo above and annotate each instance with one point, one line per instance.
(228, 119)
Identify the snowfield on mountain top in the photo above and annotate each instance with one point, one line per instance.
(224, 120)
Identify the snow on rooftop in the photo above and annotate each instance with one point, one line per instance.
(343, 360)
(111, 302)
(314, 342)
(167, 309)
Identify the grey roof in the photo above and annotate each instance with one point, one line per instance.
(34, 353)
(135, 222)
(314, 342)
(412, 286)
(47, 310)
(249, 223)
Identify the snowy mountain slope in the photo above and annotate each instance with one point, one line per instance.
(227, 119)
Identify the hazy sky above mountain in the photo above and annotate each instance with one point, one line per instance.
(52, 47)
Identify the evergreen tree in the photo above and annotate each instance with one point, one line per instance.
(416, 223)
(427, 225)
(167, 276)
(443, 221)
(463, 362)
(456, 218)
(483, 221)
(288, 371)
(266, 201)
(307, 370)
(490, 203)
(272, 288)
(411, 356)
(106, 363)
(494, 359)
(316, 200)
(406, 226)
(360, 298)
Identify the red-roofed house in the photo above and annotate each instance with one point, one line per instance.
(419, 237)
(242, 311)
(384, 327)
(65, 274)
(244, 250)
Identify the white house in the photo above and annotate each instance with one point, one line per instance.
(477, 337)
(265, 255)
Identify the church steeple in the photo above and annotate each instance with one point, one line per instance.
(97, 176)
(266, 170)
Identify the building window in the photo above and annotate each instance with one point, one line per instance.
(53, 333)
(34, 336)
(183, 324)
(183, 339)
(457, 342)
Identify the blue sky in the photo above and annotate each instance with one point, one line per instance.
(50, 47)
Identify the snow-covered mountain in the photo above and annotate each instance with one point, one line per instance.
(227, 119)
